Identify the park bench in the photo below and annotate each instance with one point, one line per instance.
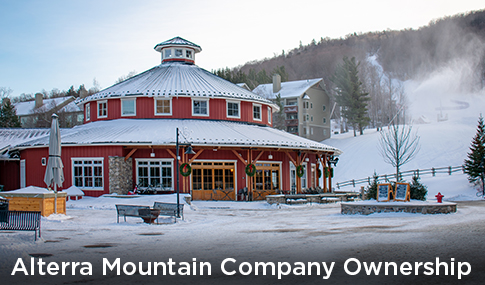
(129, 211)
(169, 209)
(20, 221)
(166, 209)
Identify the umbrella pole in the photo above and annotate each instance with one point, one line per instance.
(55, 198)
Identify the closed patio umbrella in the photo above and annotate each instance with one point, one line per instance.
(54, 172)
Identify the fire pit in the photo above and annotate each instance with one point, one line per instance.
(149, 215)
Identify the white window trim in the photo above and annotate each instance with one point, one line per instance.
(88, 111)
(91, 159)
(101, 102)
(156, 159)
(200, 115)
(128, 99)
(238, 109)
(270, 115)
(260, 112)
(163, 114)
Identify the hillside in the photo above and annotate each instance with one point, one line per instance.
(405, 54)
(443, 143)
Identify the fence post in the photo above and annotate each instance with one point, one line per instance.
(433, 171)
(449, 170)
(417, 173)
(353, 183)
(338, 186)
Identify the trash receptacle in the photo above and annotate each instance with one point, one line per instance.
(3, 210)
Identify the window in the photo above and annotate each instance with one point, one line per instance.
(292, 116)
(156, 173)
(163, 107)
(168, 53)
(102, 109)
(233, 109)
(179, 53)
(188, 54)
(88, 111)
(293, 102)
(88, 173)
(200, 108)
(269, 115)
(324, 108)
(292, 129)
(324, 121)
(257, 112)
(128, 107)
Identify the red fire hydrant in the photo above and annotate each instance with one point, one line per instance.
(439, 197)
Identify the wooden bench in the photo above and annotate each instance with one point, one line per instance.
(20, 221)
(169, 209)
(129, 210)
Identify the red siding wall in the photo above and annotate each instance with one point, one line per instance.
(35, 171)
(10, 174)
(181, 108)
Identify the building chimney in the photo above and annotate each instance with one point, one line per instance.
(39, 100)
(276, 83)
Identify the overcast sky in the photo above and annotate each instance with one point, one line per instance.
(55, 44)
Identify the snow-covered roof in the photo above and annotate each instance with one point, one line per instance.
(27, 108)
(197, 132)
(12, 137)
(177, 41)
(177, 79)
(288, 89)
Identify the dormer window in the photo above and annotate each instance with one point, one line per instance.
(200, 107)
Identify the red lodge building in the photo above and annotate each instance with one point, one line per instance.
(131, 131)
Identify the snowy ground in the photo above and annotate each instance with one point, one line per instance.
(249, 232)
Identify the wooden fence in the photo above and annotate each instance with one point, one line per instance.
(418, 172)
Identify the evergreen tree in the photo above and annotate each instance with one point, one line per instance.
(371, 191)
(8, 116)
(417, 190)
(474, 165)
(350, 96)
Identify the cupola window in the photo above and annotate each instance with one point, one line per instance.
(188, 54)
(179, 53)
(168, 53)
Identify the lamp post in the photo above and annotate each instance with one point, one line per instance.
(188, 151)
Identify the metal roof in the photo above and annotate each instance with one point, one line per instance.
(177, 41)
(288, 89)
(178, 79)
(196, 132)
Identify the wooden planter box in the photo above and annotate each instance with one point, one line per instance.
(43, 202)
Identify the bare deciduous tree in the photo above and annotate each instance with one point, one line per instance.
(398, 145)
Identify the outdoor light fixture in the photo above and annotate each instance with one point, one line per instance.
(152, 154)
(189, 150)
(333, 160)
(270, 156)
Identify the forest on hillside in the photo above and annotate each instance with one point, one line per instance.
(401, 55)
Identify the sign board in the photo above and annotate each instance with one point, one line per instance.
(384, 192)
(402, 192)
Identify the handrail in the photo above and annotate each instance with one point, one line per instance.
(417, 172)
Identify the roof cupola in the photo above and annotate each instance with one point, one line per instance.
(178, 50)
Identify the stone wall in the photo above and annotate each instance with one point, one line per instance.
(120, 175)
(363, 209)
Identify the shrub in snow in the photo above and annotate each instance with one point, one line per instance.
(371, 191)
(418, 190)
